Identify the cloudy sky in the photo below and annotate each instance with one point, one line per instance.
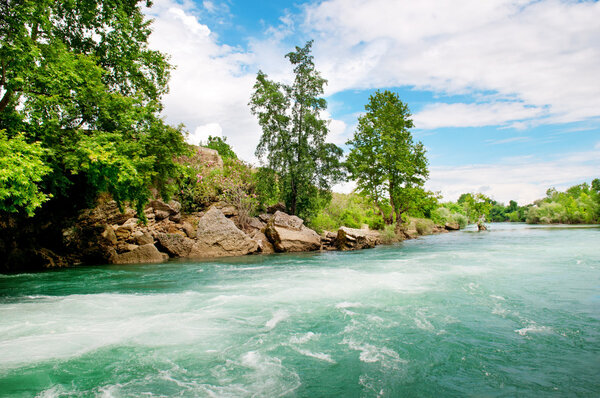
(505, 95)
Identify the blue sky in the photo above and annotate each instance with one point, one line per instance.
(505, 95)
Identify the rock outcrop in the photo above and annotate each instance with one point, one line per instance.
(176, 245)
(217, 236)
(452, 226)
(288, 234)
(356, 239)
(140, 254)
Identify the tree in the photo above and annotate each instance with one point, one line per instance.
(221, 146)
(293, 134)
(78, 81)
(384, 160)
(478, 207)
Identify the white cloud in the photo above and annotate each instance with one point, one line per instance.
(522, 179)
(473, 115)
(541, 54)
(210, 87)
(201, 133)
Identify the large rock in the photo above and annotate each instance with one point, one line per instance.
(217, 236)
(288, 234)
(172, 207)
(208, 156)
(106, 212)
(264, 246)
(452, 226)
(175, 244)
(356, 239)
(142, 254)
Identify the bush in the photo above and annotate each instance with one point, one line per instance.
(388, 235)
(461, 219)
(350, 210)
(424, 227)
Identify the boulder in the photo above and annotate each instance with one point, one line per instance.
(256, 223)
(123, 231)
(264, 246)
(328, 240)
(284, 220)
(276, 207)
(265, 217)
(356, 239)
(208, 156)
(107, 213)
(159, 205)
(227, 209)
(217, 236)
(109, 235)
(174, 244)
(142, 238)
(452, 226)
(142, 254)
(161, 214)
(189, 229)
(288, 234)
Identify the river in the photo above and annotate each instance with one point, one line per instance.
(514, 311)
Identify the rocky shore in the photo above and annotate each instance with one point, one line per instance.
(106, 234)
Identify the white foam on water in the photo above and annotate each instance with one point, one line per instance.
(497, 297)
(268, 377)
(534, 328)
(370, 353)
(317, 355)
(422, 322)
(302, 338)
(346, 304)
(278, 316)
(53, 392)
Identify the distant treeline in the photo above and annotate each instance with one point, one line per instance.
(580, 204)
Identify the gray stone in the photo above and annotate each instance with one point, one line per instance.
(288, 234)
(175, 244)
(217, 236)
(356, 239)
(141, 254)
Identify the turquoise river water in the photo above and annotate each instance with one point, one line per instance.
(510, 312)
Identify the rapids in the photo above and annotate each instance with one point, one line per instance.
(514, 311)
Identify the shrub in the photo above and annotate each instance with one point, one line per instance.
(388, 235)
(424, 227)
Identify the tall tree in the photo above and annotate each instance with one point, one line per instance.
(384, 160)
(294, 133)
(78, 81)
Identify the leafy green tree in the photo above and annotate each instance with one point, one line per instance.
(384, 160)
(293, 134)
(478, 208)
(78, 78)
(21, 168)
(220, 145)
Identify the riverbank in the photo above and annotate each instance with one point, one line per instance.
(107, 234)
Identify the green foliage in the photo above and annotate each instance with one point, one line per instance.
(350, 210)
(220, 145)
(477, 206)
(202, 184)
(266, 187)
(293, 134)
(78, 77)
(22, 167)
(384, 160)
(424, 227)
(580, 204)
(449, 213)
(388, 235)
